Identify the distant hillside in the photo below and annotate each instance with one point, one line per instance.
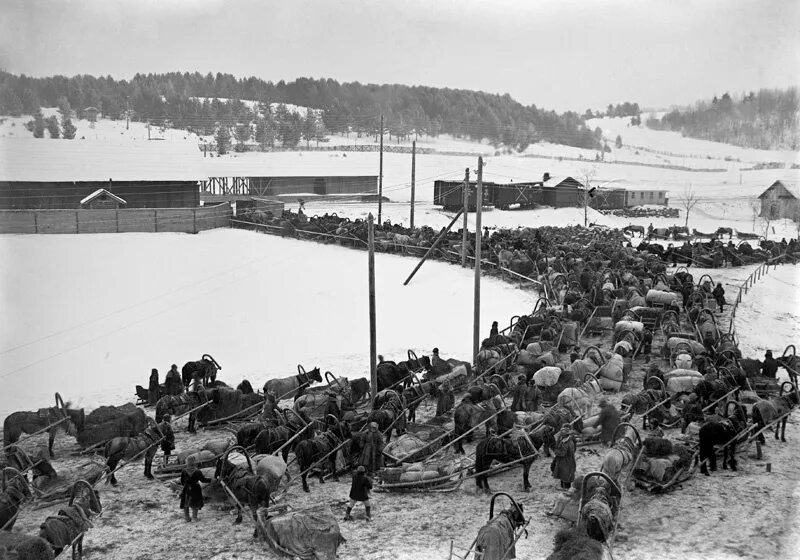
(192, 101)
(767, 120)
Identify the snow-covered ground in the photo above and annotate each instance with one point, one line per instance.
(89, 315)
(768, 318)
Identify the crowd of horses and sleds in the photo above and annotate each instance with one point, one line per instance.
(606, 308)
(529, 251)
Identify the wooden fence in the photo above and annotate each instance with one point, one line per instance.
(757, 274)
(154, 220)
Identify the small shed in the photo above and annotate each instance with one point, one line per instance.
(91, 113)
(102, 198)
(562, 192)
(780, 200)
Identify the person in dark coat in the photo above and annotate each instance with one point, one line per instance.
(153, 388)
(647, 342)
(173, 384)
(519, 401)
(563, 466)
(533, 397)
(359, 492)
(372, 453)
(608, 421)
(719, 295)
(493, 331)
(270, 410)
(168, 443)
(332, 408)
(445, 400)
(439, 366)
(770, 367)
(192, 494)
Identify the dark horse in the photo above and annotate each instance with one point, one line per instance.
(770, 410)
(244, 483)
(293, 386)
(467, 416)
(15, 491)
(391, 374)
(129, 447)
(389, 411)
(205, 368)
(269, 440)
(721, 431)
(320, 449)
(504, 450)
(176, 405)
(68, 527)
(17, 423)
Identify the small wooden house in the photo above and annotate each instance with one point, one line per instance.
(780, 200)
(91, 113)
(103, 199)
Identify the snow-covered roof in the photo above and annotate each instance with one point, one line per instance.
(99, 192)
(558, 179)
(784, 187)
(56, 160)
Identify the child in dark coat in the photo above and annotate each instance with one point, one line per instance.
(192, 494)
(359, 492)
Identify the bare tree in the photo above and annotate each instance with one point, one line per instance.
(755, 206)
(688, 202)
(587, 174)
(771, 212)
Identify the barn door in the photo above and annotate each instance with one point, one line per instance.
(319, 185)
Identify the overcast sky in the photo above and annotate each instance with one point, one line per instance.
(558, 54)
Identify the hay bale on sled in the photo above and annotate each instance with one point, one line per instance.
(108, 422)
(659, 297)
(309, 534)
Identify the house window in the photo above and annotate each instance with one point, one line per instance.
(651, 195)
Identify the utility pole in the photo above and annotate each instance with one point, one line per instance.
(373, 346)
(380, 178)
(477, 303)
(148, 129)
(413, 169)
(127, 114)
(466, 210)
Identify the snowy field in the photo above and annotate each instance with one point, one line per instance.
(769, 316)
(89, 315)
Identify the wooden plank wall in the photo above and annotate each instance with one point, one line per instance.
(182, 220)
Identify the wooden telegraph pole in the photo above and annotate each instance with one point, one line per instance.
(413, 169)
(373, 345)
(477, 303)
(380, 178)
(466, 211)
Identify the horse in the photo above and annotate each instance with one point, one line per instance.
(293, 386)
(496, 539)
(205, 368)
(320, 448)
(413, 397)
(70, 524)
(720, 431)
(504, 450)
(244, 483)
(790, 362)
(128, 447)
(555, 417)
(467, 415)
(176, 405)
(388, 410)
(575, 544)
(634, 229)
(15, 490)
(247, 433)
(767, 411)
(30, 422)
(269, 440)
(480, 393)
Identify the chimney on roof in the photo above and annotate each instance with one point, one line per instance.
(546, 177)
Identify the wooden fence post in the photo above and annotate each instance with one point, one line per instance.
(35, 222)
